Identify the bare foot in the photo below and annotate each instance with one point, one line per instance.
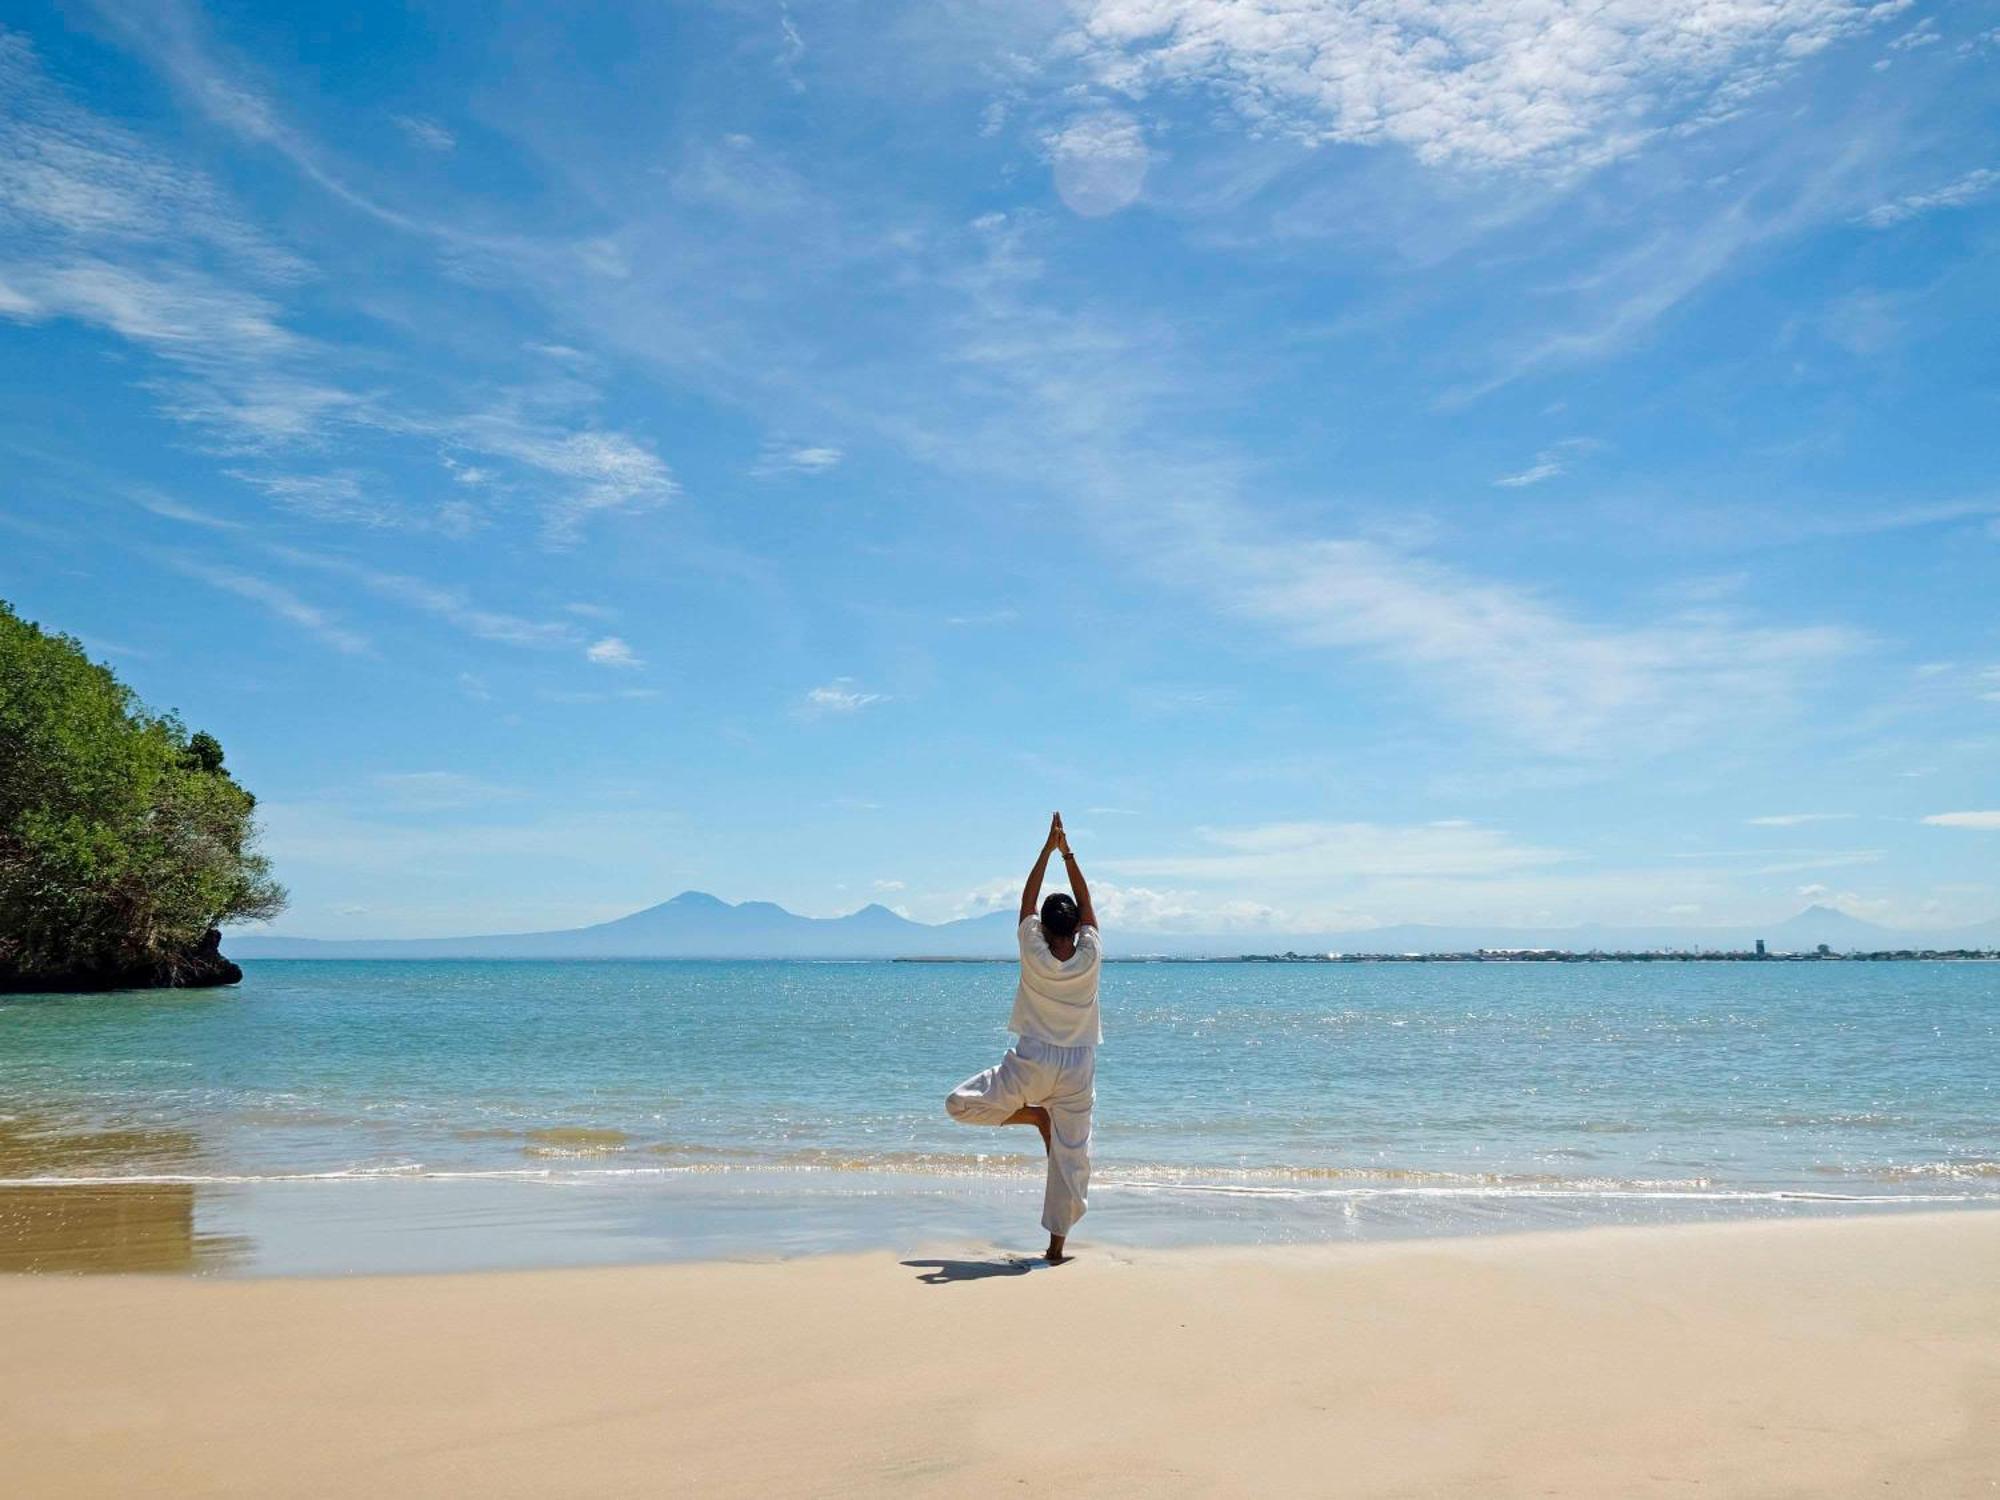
(1054, 1254)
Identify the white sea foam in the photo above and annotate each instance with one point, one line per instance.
(1357, 1192)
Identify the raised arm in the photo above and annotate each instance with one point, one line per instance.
(1031, 893)
(1086, 913)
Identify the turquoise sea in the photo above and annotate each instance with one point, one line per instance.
(333, 1116)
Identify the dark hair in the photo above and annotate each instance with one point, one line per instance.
(1060, 916)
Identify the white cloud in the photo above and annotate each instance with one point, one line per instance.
(778, 459)
(1141, 909)
(1503, 654)
(1305, 889)
(1099, 162)
(100, 228)
(1983, 820)
(179, 312)
(1843, 901)
(1956, 194)
(612, 652)
(1831, 861)
(791, 51)
(992, 895)
(1643, 281)
(1794, 820)
(65, 172)
(427, 133)
(447, 604)
(169, 37)
(341, 495)
(174, 510)
(840, 696)
(1102, 400)
(1316, 852)
(1483, 83)
(1543, 468)
(604, 472)
(275, 598)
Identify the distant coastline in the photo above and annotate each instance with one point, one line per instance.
(1540, 956)
(697, 925)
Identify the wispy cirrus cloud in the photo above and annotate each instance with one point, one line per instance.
(426, 132)
(791, 51)
(449, 604)
(600, 472)
(1469, 83)
(1833, 860)
(1550, 463)
(1973, 186)
(99, 228)
(1795, 820)
(66, 173)
(337, 495)
(840, 696)
(172, 37)
(1985, 821)
(174, 510)
(102, 229)
(1645, 279)
(1493, 651)
(1309, 851)
(612, 651)
(1544, 467)
(1502, 653)
(778, 459)
(273, 597)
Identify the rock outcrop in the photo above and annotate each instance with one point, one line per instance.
(200, 967)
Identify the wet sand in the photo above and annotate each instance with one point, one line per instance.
(1827, 1358)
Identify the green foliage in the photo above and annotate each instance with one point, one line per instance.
(122, 838)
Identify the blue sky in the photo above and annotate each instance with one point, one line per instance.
(1502, 462)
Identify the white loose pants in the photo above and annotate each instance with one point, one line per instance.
(1061, 1080)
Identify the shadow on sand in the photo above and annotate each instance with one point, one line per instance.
(941, 1272)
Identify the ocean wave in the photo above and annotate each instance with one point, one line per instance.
(575, 1141)
(1275, 1184)
(1954, 1171)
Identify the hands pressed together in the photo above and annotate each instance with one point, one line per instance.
(1031, 893)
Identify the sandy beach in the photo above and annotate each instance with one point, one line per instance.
(1829, 1358)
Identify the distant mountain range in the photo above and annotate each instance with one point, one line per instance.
(697, 925)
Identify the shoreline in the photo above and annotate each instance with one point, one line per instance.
(1832, 1358)
(529, 1219)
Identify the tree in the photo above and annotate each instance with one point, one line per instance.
(123, 838)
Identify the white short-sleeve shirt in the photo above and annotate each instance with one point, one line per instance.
(1056, 1001)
